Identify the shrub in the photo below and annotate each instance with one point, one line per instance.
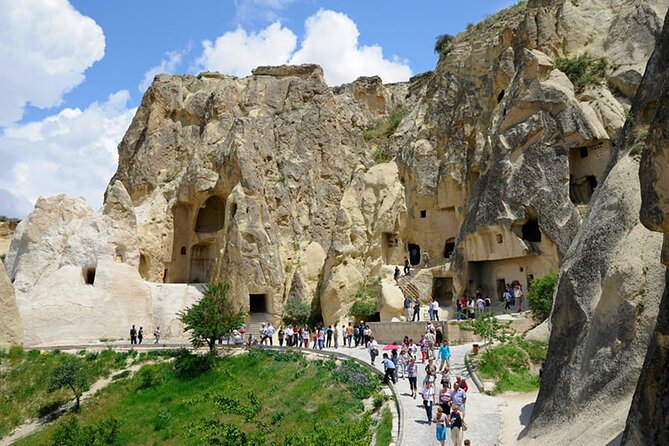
(161, 421)
(488, 328)
(70, 433)
(72, 375)
(360, 381)
(443, 45)
(365, 301)
(149, 377)
(188, 366)
(296, 312)
(540, 297)
(583, 70)
(385, 128)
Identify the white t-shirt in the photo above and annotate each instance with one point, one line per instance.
(435, 305)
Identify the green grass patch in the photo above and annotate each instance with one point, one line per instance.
(258, 398)
(583, 70)
(385, 127)
(384, 430)
(514, 365)
(24, 379)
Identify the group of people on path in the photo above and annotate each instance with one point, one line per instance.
(137, 336)
(437, 388)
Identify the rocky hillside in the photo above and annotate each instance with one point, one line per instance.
(503, 164)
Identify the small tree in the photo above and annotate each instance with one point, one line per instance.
(366, 300)
(442, 44)
(296, 312)
(540, 296)
(72, 375)
(213, 317)
(489, 328)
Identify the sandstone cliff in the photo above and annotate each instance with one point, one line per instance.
(11, 327)
(648, 421)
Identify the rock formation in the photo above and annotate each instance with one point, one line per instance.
(648, 421)
(11, 326)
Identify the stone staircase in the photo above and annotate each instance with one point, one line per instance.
(409, 289)
(254, 323)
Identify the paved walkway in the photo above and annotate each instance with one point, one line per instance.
(483, 412)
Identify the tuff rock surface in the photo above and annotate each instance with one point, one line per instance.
(648, 420)
(11, 325)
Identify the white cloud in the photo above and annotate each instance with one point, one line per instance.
(167, 65)
(45, 47)
(331, 40)
(237, 52)
(72, 152)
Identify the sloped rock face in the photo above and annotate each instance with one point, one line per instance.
(11, 326)
(648, 421)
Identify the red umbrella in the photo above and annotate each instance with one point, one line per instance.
(391, 347)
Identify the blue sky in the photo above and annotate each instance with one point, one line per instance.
(80, 67)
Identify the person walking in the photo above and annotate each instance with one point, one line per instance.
(407, 307)
(445, 356)
(269, 333)
(412, 374)
(156, 334)
(440, 421)
(373, 349)
(140, 335)
(407, 266)
(455, 421)
(428, 399)
(424, 346)
(349, 335)
(458, 398)
(396, 274)
(133, 335)
(282, 335)
(416, 310)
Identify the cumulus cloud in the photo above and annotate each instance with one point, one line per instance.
(237, 52)
(72, 152)
(45, 47)
(331, 40)
(167, 65)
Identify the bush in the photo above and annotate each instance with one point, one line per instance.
(583, 70)
(360, 381)
(296, 312)
(188, 366)
(365, 301)
(540, 297)
(148, 377)
(70, 433)
(385, 128)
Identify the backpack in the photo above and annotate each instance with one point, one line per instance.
(356, 332)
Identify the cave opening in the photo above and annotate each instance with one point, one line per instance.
(211, 216)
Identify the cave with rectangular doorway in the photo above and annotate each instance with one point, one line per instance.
(257, 303)
(89, 275)
(442, 291)
(414, 254)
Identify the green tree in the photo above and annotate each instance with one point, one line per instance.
(365, 299)
(540, 297)
(442, 44)
(70, 374)
(488, 328)
(213, 317)
(296, 312)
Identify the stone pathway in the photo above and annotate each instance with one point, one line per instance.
(483, 414)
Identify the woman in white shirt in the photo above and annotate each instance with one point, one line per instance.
(373, 348)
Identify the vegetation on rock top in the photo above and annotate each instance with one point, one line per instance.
(583, 70)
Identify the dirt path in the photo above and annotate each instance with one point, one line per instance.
(32, 426)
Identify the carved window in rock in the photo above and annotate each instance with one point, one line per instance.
(531, 231)
(89, 275)
(449, 247)
(211, 216)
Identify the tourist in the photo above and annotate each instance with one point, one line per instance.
(328, 336)
(446, 378)
(140, 335)
(480, 305)
(237, 337)
(413, 349)
(389, 369)
(426, 259)
(428, 399)
(445, 356)
(395, 357)
(289, 336)
(412, 373)
(430, 311)
(314, 337)
(431, 367)
(396, 274)
(423, 347)
(458, 307)
(367, 334)
(373, 349)
(133, 335)
(463, 304)
(431, 339)
(455, 421)
(440, 420)
(305, 337)
(349, 335)
(462, 383)
(507, 298)
(296, 335)
(488, 304)
(156, 334)
(518, 297)
(261, 333)
(282, 335)
(435, 309)
(458, 398)
(445, 398)
(407, 266)
(407, 307)
(416, 309)
(404, 359)
(471, 308)
(322, 334)
(269, 333)
(439, 335)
